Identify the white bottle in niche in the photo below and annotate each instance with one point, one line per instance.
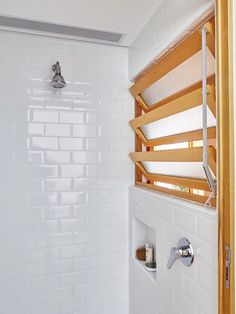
(149, 253)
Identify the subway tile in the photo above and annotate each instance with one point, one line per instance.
(85, 184)
(59, 239)
(8, 171)
(7, 244)
(208, 279)
(71, 279)
(85, 131)
(28, 157)
(71, 225)
(77, 305)
(44, 283)
(84, 264)
(195, 293)
(6, 157)
(91, 118)
(208, 230)
(98, 144)
(45, 308)
(30, 299)
(45, 116)
(43, 171)
(57, 129)
(31, 241)
(71, 198)
(57, 185)
(98, 223)
(26, 185)
(59, 295)
(72, 117)
(29, 271)
(44, 143)
(35, 129)
(6, 186)
(72, 171)
(85, 236)
(57, 267)
(185, 220)
(6, 273)
(85, 157)
(51, 238)
(43, 199)
(57, 212)
(57, 157)
(98, 249)
(71, 143)
(184, 304)
(74, 251)
(111, 157)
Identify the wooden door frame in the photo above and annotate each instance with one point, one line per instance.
(226, 184)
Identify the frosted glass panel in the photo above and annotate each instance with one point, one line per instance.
(186, 74)
(181, 122)
(182, 169)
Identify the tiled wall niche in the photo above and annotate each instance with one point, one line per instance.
(64, 176)
(143, 234)
(180, 290)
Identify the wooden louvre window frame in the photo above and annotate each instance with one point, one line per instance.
(225, 140)
(226, 155)
(181, 101)
(187, 100)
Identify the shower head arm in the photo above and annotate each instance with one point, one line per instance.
(56, 68)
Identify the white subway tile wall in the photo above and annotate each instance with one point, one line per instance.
(64, 175)
(180, 290)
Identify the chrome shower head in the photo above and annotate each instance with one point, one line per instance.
(58, 80)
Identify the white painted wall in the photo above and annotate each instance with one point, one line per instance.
(180, 290)
(171, 19)
(64, 176)
(122, 16)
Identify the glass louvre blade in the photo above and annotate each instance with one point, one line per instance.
(186, 74)
(181, 169)
(185, 121)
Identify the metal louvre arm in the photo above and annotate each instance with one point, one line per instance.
(206, 168)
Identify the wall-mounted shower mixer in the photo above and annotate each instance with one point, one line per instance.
(184, 252)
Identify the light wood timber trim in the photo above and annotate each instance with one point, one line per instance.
(141, 168)
(191, 100)
(193, 183)
(177, 155)
(212, 159)
(226, 151)
(211, 37)
(179, 138)
(185, 195)
(210, 81)
(211, 100)
(142, 103)
(173, 155)
(182, 52)
(141, 136)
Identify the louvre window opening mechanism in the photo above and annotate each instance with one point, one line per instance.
(175, 120)
(211, 183)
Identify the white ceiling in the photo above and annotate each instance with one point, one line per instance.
(122, 16)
